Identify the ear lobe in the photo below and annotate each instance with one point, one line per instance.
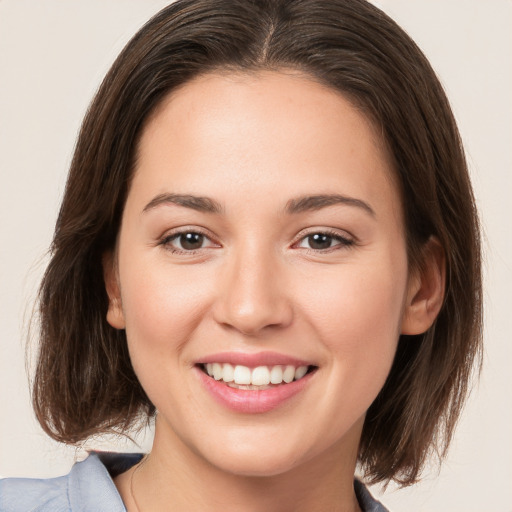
(426, 289)
(115, 316)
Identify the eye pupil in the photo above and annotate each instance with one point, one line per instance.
(319, 241)
(191, 241)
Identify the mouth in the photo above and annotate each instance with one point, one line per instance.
(251, 383)
(257, 378)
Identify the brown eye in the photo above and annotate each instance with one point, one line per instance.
(324, 241)
(320, 241)
(190, 241)
(187, 241)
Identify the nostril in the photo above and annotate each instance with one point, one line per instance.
(251, 307)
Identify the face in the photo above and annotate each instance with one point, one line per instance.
(261, 271)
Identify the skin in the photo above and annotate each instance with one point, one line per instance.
(253, 143)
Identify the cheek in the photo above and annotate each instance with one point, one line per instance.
(357, 315)
(161, 307)
(358, 323)
(162, 311)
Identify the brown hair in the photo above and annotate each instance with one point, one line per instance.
(84, 382)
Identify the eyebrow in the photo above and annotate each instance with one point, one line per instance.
(317, 202)
(293, 206)
(201, 204)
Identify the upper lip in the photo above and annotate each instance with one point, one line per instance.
(252, 360)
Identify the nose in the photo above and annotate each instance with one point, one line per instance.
(252, 294)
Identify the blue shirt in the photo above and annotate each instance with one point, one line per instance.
(89, 487)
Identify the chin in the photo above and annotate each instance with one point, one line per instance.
(256, 456)
(261, 465)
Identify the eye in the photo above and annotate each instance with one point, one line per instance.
(323, 241)
(187, 241)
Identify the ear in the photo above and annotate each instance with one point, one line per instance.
(115, 316)
(426, 289)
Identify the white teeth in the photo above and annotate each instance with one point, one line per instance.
(300, 372)
(289, 374)
(276, 375)
(242, 375)
(217, 371)
(228, 373)
(259, 376)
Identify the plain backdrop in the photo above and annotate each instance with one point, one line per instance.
(53, 54)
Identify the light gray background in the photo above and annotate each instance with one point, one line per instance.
(53, 54)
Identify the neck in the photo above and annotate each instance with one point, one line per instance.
(174, 478)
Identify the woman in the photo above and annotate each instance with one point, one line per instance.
(268, 236)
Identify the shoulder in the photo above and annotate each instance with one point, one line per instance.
(88, 486)
(366, 501)
(30, 494)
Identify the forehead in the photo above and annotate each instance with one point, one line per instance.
(277, 130)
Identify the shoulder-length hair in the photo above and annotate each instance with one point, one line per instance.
(84, 382)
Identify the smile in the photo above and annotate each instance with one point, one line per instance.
(254, 383)
(259, 378)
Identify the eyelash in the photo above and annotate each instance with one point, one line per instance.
(344, 241)
(166, 241)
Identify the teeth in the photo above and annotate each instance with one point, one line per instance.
(259, 376)
(228, 373)
(217, 371)
(300, 372)
(289, 374)
(242, 375)
(276, 375)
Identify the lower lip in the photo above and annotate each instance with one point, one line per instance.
(252, 401)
